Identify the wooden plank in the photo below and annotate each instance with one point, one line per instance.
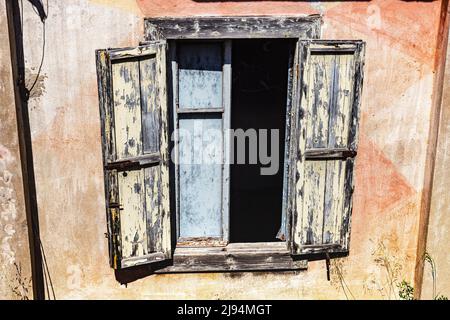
(256, 246)
(297, 148)
(235, 257)
(106, 105)
(353, 143)
(340, 112)
(163, 241)
(108, 153)
(320, 92)
(317, 120)
(314, 200)
(135, 162)
(133, 220)
(175, 134)
(357, 92)
(341, 100)
(201, 110)
(226, 92)
(348, 204)
(239, 247)
(304, 27)
(283, 233)
(193, 242)
(149, 104)
(331, 248)
(113, 218)
(334, 201)
(152, 207)
(127, 109)
(145, 259)
(165, 245)
(131, 52)
(329, 153)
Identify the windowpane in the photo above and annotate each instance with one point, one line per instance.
(200, 75)
(200, 174)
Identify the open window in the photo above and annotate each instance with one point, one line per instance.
(235, 89)
(224, 215)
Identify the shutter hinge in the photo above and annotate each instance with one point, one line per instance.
(115, 205)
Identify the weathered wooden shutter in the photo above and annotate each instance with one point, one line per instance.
(324, 146)
(133, 107)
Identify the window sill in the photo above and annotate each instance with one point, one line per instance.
(235, 257)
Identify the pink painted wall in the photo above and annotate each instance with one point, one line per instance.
(397, 102)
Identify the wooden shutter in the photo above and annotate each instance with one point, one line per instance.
(133, 108)
(324, 146)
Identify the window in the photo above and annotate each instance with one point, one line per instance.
(225, 74)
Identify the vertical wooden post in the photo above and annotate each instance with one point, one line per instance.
(26, 153)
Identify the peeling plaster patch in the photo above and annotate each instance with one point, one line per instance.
(39, 88)
(374, 17)
(318, 6)
(8, 208)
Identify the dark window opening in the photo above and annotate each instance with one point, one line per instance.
(259, 92)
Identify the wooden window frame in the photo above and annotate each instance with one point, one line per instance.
(224, 111)
(269, 256)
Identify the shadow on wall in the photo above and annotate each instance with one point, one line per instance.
(128, 275)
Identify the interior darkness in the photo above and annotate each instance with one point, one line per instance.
(259, 91)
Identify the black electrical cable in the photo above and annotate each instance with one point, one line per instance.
(43, 17)
(38, 7)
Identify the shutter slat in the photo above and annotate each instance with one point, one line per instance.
(154, 219)
(333, 207)
(127, 109)
(313, 207)
(150, 105)
(317, 107)
(133, 215)
(340, 106)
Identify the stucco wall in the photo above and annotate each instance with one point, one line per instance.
(15, 273)
(396, 108)
(439, 223)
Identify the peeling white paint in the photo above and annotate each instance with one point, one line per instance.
(8, 208)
